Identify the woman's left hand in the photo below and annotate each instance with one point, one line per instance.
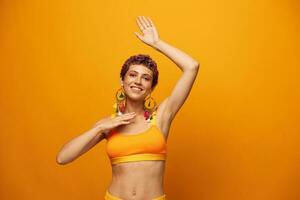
(147, 27)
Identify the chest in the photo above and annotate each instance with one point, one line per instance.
(134, 128)
(149, 141)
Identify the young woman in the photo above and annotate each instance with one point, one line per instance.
(136, 135)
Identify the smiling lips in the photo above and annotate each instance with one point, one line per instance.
(136, 88)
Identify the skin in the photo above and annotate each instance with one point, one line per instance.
(143, 179)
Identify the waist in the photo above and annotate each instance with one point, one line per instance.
(138, 174)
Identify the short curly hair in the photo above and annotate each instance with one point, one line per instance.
(143, 60)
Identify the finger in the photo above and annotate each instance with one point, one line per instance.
(140, 25)
(121, 118)
(150, 21)
(127, 116)
(125, 122)
(142, 22)
(146, 21)
(131, 113)
(138, 35)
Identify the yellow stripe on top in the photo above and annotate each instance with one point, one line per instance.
(138, 157)
(148, 145)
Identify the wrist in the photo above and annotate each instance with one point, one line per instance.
(157, 44)
(99, 129)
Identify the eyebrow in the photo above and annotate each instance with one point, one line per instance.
(138, 72)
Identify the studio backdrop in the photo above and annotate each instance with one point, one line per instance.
(235, 138)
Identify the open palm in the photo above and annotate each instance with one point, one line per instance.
(150, 35)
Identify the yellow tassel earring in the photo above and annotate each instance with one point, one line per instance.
(150, 108)
(120, 101)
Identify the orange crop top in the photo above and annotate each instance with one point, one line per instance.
(147, 145)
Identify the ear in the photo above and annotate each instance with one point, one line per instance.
(121, 82)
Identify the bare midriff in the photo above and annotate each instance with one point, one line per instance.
(142, 180)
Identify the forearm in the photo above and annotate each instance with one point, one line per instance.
(181, 59)
(79, 145)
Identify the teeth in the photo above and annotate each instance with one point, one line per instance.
(137, 88)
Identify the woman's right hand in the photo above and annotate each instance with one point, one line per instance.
(109, 123)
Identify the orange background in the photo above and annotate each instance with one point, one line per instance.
(235, 138)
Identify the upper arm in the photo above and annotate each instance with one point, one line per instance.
(180, 92)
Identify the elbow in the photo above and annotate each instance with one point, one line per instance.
(60, 160)
(196, 65)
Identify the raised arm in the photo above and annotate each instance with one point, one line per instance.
(186, 64)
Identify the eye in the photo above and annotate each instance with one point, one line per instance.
(131, 75)
(147, 79)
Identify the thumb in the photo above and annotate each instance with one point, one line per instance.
(138, 35)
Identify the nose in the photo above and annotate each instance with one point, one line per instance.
(138, 80)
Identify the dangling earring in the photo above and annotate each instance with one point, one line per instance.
(149, 107)
(120, 101)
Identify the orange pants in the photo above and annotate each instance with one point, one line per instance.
(109, 196)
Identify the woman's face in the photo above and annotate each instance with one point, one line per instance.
(137, 82)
